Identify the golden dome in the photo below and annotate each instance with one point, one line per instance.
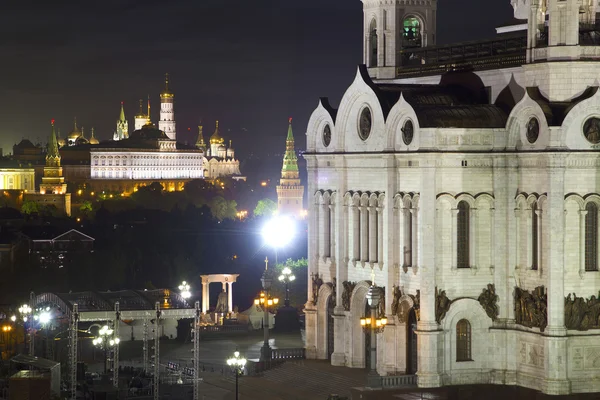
(166, 93)
(216, 137)
(93, 139)
(75, 133)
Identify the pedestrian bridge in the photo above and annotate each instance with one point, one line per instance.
(127, 300)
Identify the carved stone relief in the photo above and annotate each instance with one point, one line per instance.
(582, 314)
(442, 304)
(586, 358)
(531, 354)
(397, 293)
(316, 285)
(333, 285)
(347, 294)
(531, 309)
(489, 301)
(382, 302)
(417, 304)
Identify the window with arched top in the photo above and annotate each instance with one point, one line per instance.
(463, 235)
(463, 341)
(411, 32)
(534, 238)
(591, 237)
(373, 44)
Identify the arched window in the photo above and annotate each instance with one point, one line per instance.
(534, 238)
(463, 341)
(411, 32)
(591, 237)
(462, 232)
(408, 234)
(373, 44)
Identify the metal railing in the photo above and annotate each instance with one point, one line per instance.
(288, 354)
(476, 56)
(395, 381)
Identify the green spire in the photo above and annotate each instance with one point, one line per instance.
(290, 161)
(122, 116)
(52, 154)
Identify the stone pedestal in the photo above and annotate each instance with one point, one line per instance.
(310, 314)
(430, 344)
(338, 358)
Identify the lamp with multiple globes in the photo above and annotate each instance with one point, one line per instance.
(104, 340)
(286, 277)
(184, 288)
(265, 301)
(237, 364)
(380, 323)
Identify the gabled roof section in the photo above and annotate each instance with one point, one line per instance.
(556, 111)
(74, 234)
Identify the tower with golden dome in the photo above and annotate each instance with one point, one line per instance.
(122, 131)
(167, 113)
(219, 160)
(141, 118)
(290, 191)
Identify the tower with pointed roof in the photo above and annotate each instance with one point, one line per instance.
(290, 191)
(122, 131)
(53, 189)
(167, 113)
(200, 141)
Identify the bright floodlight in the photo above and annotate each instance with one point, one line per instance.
(45, 317)
(185, 290)
(13, 318)
(279, 231)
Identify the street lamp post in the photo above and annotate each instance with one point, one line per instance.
(375, 325)
(236, 363)
(287, 277)
(105, 340)
(265, 301)
(25, 312)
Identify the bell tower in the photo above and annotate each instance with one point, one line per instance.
(392, 29)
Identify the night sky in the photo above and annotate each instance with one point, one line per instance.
(249, 63)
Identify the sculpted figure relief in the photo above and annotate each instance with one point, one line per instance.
(489, 301)
(417, 304)
(531, 308)
(332, 285)
(316, 285)
(396, 300)
(442, 304)
(582, 314)
(382, 302)
(347, 294)
(222, 306)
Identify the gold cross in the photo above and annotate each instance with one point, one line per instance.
(266, 263)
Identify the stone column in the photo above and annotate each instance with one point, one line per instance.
(343, 213)
(205, 296)
(355, 213)
(379, 233)
(556, 380)
(364, 234)
(230, 296)
(413, 220)
(429, 337)
(582, 214)
(372, 235)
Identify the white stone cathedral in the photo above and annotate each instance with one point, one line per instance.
(466, 181)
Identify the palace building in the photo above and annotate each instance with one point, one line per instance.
(463, 181)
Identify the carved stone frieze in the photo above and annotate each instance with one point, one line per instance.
(442, 304)
(582, 314)
(489, 301)
(397, 293)
(332, 285)
(347, 294)
(531, 309)
(382, 302)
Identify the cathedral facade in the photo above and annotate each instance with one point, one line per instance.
(219, 160)
(463, 181)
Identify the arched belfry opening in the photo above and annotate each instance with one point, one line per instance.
(412, 32)
(373, 49)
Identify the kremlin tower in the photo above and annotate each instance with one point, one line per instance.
(141, 119)
(290, 192)
(122, 131)
(167, 114)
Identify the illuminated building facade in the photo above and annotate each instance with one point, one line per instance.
(462, 180)
(166, 122)
(219, 159)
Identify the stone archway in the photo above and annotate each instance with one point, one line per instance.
(325, 293)
(225, 280)
(406, 338)
(357, 337)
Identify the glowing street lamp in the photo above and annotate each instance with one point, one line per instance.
(185, 290)
(105, 340)
(286, 277)
(265, 301)
(375, 324)
(237, 364)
